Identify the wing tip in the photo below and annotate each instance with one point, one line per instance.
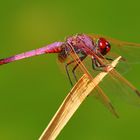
(137, 92)
(114, 111)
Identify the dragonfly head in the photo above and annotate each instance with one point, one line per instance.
(103, 46)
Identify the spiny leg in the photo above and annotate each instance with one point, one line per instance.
(110, 59)
(99, 67)
(73, 70)
(66, 67)
(96, 65)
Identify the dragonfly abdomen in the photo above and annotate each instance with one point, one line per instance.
(52, 48)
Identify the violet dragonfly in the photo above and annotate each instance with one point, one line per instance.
(80, 47)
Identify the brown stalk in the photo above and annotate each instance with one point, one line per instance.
(72, 102)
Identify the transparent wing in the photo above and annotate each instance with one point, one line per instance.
(104, 99)
(123, 87)
(117, 86)
(84, 67)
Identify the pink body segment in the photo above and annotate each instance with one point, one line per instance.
(51, 48)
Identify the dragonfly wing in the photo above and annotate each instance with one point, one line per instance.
(128, 90)
(116, 85)
(85, 67)
(101, 96)
(122, 86)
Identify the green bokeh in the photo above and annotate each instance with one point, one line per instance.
(31, 90)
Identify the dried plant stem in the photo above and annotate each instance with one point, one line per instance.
(71, 103)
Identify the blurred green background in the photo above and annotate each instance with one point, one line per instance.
(31, 90)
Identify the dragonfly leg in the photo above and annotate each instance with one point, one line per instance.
(110, 59)
(66, 67)
(73, 70)
(97, 66)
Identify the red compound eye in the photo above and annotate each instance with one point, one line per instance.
(104, 46)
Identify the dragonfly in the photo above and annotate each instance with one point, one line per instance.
(78, 47)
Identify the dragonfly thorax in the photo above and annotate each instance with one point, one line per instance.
(63, 54)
